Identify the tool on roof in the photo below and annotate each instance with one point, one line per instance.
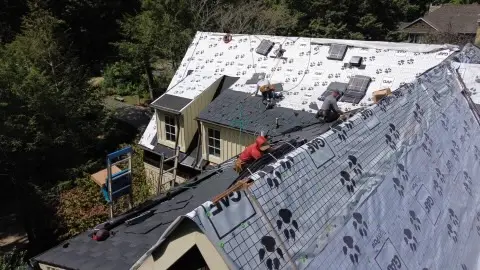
(379, 94)
(227, 37)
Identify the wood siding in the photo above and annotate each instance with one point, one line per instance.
(232, 142)
(152, 173)
(420, 27)
(188, 122)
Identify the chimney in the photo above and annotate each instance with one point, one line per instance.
(477, 37)
(433, 7)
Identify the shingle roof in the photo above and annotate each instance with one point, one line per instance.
(247, 113)
(453, 18)
(304, 72)
(129, 243)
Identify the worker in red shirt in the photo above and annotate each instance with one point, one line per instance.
(252, 153)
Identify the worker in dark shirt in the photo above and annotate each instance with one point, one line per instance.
(329, 110)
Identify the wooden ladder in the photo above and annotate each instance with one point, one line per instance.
(171, 182)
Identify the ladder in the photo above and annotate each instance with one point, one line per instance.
(162, 172)
(171, 183)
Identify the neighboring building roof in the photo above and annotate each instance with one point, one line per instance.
(304, 71)
(247, 113)
(393, 186)
(452, 18)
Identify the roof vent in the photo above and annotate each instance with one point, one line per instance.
(356, 61)
(265, 47)
(337, 52)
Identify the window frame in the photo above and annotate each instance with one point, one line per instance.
(169, 128)
(214, 150)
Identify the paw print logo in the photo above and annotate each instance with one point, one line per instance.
(350, 249)
(371, 58)
(287, 163)
(401, 62)
(390, 142)
(341, 133)
(415, 220)
(330, 76)
(404, 173)
(398, 187)
(436, 98)
(388, 70)
(453, 217)
(353, 164)
(373, 79)
(476, 152)
(290, 61)
(440, 175)
(379, 71)
(347, 181)
(426, 149)
(452, 233)
(324, 83)
(273, 180)
(378, 50)
(410, 61)
(454, 155)
(393, 131)
(359, 224)
(428, 140)
(337, 75)
(467, 183)
(437, 188)
(449, 166)
(429, 203)
(269, 245)
(410, 239)
(455, 146)
(286, 218)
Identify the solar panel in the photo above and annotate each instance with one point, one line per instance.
(337, 51)
(265, 47)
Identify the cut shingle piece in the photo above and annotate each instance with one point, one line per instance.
(356, 89)
(337, 52)
(341, 87)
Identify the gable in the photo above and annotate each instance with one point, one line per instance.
(420, 26)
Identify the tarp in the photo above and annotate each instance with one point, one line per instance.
(396, 187)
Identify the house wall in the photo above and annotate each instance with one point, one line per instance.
(48, 267)
(182, 239)
(232, 142)
(188, 122)
(152, 174)
(420, 27)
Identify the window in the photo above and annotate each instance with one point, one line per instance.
(170, 129)
(214, 142)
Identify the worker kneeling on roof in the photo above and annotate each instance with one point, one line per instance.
(267, 90)
(252, 153)
(330, 111)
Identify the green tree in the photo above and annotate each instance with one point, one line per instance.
(49, 119)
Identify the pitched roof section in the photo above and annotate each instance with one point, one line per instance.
(453, 18)
(171, 103)
(247, 113)
(122, 250)
(356, 196)
(305, 71)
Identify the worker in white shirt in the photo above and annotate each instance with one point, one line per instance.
(267, 90)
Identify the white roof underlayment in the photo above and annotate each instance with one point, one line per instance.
(305, 72)
(393, 188)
